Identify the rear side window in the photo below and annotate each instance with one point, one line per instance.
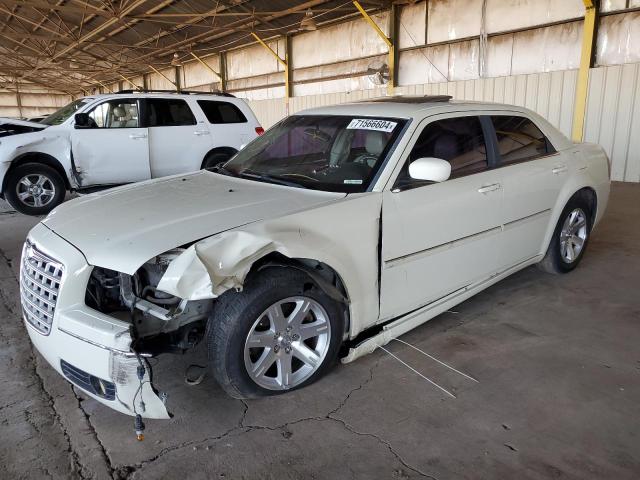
(519, 139)
(168, 112)
(221, 112)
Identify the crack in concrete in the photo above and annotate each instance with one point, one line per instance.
(94, 433)
(244, 429)
(47, 397)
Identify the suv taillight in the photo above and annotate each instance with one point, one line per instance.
(259, 130)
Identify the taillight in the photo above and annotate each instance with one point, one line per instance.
(259, 130)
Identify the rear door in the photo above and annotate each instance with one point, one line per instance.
(441, 237)
(533, 174)
(228, 125)
(114, 149)
(178, 141)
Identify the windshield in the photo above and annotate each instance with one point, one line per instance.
(321, 152)
(59, 116)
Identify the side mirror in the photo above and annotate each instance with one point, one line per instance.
(82, 120)
(430, 169)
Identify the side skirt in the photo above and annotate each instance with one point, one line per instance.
(413, 319)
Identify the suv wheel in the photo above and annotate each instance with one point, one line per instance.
(280, 333)
(214, 159)
(34, 188)
(570, 237)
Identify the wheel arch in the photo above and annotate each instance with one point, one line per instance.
(323, 274)
(38, 157)
(592, 198)
(230, 151)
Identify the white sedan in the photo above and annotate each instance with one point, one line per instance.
(338, 230)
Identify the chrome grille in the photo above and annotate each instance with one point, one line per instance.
(40, 278)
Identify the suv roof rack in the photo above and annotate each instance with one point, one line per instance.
(181, 92)
(411, 99)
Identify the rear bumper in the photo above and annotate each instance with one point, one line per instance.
(88, 348)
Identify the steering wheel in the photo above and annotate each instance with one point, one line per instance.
(366, 159)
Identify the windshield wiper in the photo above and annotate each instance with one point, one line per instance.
(253, 175)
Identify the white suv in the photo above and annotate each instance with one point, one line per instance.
(118, 138)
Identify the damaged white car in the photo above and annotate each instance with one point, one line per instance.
(112, 139)
(338, 230)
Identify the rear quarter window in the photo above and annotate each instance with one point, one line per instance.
(221, 112)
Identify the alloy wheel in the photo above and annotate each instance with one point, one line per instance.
(35, 190)
(287, 343)
(573, 235)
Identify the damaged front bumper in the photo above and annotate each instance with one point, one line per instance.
(90, 349)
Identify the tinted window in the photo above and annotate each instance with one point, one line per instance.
(519, 139)
(115, 114)
(221, 112)
(322, 152)
(169, 112)
(459, 141)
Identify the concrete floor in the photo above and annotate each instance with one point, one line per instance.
(557, 360)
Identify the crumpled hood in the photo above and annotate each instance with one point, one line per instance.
(124, 227)
(21, 123)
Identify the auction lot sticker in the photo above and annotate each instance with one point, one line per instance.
(371, 124)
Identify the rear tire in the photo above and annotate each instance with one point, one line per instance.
(212, 160)
(280, 333)
(570, 237)
(34, 188)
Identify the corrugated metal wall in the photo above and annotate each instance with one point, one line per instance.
(33, 102)
(613, 117)
(613, 110)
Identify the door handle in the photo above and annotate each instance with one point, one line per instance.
(201, 132)
(559, 169)
(489, 188)
(136, 136)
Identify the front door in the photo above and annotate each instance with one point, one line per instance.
(114, 149)
(440, 237)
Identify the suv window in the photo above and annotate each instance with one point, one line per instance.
(519, 139)
(115, 114)
(221, 112)
(168, 112)
(460, 141)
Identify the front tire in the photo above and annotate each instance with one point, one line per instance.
(570, 237)
(280, 333)
(34, 188)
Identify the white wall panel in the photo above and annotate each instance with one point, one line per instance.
(505, 15)
(412, 25)
(424, 65)
(158, 82)
(619, 39)
(337, 43)
(254, 60)
(547, 49)
(613, 117)
(196, 74)
(453, 19)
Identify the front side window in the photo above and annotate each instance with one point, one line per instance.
(322, 152)
(168, 112)
(460, 141)
(519, 139)
(60, 115)
(115, 114)
(221, 112)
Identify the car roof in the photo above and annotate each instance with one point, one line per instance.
(197, 96)
(418, 108)
(410, 107)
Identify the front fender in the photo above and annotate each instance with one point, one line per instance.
(344, 235)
